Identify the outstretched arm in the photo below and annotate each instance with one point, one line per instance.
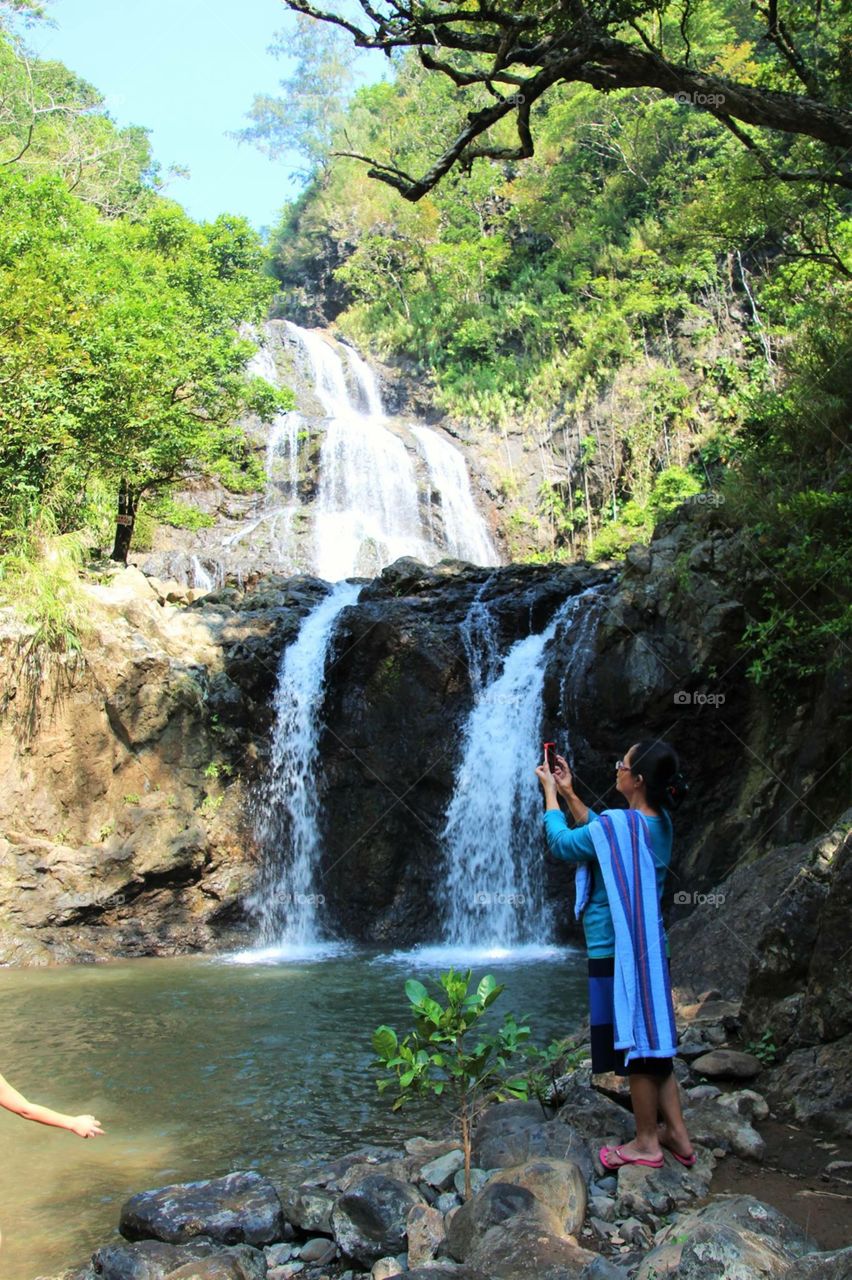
(84, 1126)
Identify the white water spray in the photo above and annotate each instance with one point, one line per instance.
(491, 838)
(289, 901)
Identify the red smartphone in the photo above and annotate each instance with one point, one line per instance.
(550, 754)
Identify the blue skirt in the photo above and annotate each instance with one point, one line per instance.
(605, 1056)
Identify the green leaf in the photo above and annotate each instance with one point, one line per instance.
(416, 991)
(385, 1041)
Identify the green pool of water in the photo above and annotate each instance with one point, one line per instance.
(198, 1066)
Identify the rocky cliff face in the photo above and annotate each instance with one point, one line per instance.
(124, 811)
(127, 810)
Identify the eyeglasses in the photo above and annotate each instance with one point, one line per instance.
(620, 764)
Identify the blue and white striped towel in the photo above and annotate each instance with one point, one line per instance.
(642, 996)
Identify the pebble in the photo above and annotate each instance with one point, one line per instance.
(603, 1207)
(318, 1249)
(384, 1268)
(607, 1185)
(703, 1092)
(277, 1254)
(478, 1178)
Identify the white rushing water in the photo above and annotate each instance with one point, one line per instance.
(288, 901)
(492, 842)
(371, 505)
(465, 534)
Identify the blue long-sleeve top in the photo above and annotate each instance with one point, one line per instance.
(575, 844)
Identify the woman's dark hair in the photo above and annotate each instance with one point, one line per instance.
(657, 762)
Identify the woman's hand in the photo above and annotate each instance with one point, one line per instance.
(563, 777)
(547, 780)
(85, 1126)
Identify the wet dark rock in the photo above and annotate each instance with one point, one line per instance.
(369, 1220)
(155, 1259)
(813, 1086)
(241, 1207)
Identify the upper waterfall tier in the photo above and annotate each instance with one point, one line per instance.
(349, 487)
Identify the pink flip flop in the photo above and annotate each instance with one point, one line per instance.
(604, 1153)
(686, 1161)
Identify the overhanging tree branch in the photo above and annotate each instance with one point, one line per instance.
(565, 44)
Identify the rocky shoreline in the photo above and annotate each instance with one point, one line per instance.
(542, 1205)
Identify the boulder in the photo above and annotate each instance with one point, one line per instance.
(441, 1171)
(557, 1184)
(498, 1203)
(727, 1064)
(814, 1087)
(369, 1220)
(308, 1207)
(155, 1259)
(731, 1237)
(511, 1133)
(713, 1124)
(517, 1250)
(241, 1207)
(478, 1178)
(834, 1265)
(644, 1192)
(384, 1268)
(218, 1267)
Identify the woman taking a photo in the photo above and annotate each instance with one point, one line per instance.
(622, 857)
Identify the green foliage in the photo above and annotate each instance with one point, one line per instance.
(180, 515)
(449, 1056)
(763, 1048)
(791, 490)
(40, 581)
(121, 361)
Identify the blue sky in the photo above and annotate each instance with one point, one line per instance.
(187, 70)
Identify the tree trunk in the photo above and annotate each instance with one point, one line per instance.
(466, 1144)
(128, 500)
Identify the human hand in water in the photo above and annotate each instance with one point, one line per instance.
(85, 1126)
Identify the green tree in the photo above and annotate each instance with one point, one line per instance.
(120, 354)
(448, 1056)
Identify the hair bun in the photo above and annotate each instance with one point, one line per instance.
(677, 789)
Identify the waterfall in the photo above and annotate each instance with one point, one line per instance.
(287, 902)
(370, 505)
(492, 838)
(465, 533)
